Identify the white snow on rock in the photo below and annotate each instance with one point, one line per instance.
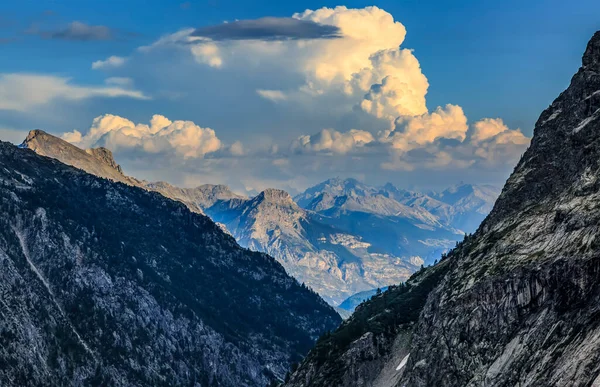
(403, 363)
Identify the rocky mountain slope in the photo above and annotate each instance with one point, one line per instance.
(103, 283)
(100, 162)
(515, 304)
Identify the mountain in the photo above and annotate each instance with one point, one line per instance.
(517, 303)
(349, 237)
(97, 161)
(332, 261)
(461, 207)
(104, 283)
(469, 205)
(352, 302)
(100, 162)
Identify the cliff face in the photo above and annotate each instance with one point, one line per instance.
(520, 306)
(520, 299)
(107, 284)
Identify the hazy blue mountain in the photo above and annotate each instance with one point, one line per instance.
(353, 301)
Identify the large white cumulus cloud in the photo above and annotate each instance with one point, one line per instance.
(363, 62)
(184, 138)
(334, 68)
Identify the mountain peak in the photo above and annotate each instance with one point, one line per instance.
(563, 152)
(33, 134)
(591, 57)
(105, 156)
(273, 195)
(97, 161)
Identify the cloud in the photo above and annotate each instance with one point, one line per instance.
(364, 78)
(411, 132)
(237, 149)
(396, 86)
(22, 92)
(273, 95)
(447, 145)
(269, 28)
(332, 141)
(120, 81)
(439, 140)
(108, 63)
(78, 31)
(183, 138)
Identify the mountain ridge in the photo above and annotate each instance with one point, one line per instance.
(514, 304)
(123, 286)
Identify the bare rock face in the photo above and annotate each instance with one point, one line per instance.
(519, 306)
(97, 161)
(105, 156)
(517, 302)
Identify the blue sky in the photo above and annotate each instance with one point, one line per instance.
(504, 60)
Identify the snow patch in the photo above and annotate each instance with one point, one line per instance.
(553, 116)
(403, 363)
(585, 122)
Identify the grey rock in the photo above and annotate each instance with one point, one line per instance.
(518, 302)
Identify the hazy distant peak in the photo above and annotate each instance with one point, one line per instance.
(274, 195)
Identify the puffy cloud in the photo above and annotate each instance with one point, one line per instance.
(109, 63)
(395, 84)
(363, 57)
(411, 132)
(22, 92)
(489, 144)
(80, 32)
(361, 78)
(184, 138)
(487, 128)
(329, 140)
(495, 142)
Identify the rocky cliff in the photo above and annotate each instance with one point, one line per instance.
(519, 302)
(103, 283)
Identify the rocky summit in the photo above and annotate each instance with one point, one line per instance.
(104, 283)
(518, 302)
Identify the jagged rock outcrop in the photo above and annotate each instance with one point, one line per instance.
(103, 283)
(520, 300)
(97, 161)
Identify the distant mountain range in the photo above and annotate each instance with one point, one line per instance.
(339, 237)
